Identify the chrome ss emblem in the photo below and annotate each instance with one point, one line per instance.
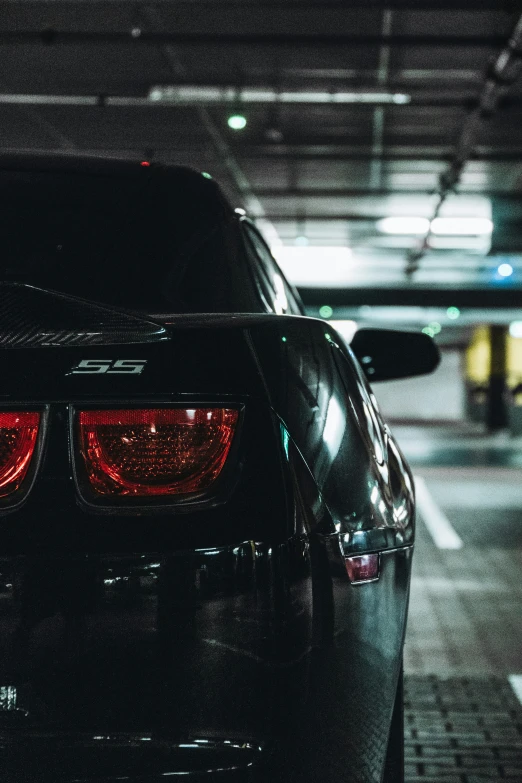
(109, 367)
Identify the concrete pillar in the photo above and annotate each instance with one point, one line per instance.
(496, 410)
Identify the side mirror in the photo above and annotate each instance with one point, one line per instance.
(386, 354)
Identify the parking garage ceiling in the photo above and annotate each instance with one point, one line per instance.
(357, 114)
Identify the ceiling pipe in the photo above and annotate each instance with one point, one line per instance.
(501, 74)
(201, 95)
(208, 95)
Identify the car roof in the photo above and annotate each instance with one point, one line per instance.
(91, 165)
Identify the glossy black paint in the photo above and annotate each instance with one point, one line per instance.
(386, 354)
(222, 641)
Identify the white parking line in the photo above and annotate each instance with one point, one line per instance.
(438, 524)
(515, 680)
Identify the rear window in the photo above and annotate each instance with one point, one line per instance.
(154, 242)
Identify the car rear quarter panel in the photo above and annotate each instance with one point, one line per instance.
(357, 496)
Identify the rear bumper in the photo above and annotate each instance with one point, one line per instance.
(135, 667)
(146, 642)
(196, 663)
(89, 758)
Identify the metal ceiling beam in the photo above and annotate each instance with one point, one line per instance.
(138, 36)
(507, 6)
(281, 217)
(321, 217)
(415, 295)
(437, 71)
(363, 156)
(342, 154)
(270, 192)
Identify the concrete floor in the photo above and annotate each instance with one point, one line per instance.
(466, 604)
(463, 650)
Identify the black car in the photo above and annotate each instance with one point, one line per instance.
(206, 528)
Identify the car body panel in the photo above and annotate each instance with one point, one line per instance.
(217, 637)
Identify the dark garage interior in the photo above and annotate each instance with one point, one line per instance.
(377, 146)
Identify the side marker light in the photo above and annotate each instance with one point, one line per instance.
(362, 568)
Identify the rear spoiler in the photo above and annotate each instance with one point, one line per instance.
(33, 317)
(225, 320)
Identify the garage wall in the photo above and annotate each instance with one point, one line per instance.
(436, 396)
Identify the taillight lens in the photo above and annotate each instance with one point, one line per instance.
(18, 434)
(362, 568)
(156, 451)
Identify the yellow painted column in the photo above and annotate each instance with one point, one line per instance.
(477, 363)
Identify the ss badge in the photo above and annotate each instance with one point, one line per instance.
(109, 367)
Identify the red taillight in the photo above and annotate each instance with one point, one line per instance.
(157, 451)
(18, 433)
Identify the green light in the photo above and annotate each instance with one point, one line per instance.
(435, 327)
(453, 313)
(283, 339)
(237, 121)
(429, 331)
(325, 312)
(206, 175)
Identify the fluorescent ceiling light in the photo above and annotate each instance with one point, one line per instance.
(187, 94)
(461, 226)
(346, 329)
(475, 244)
(403, 225)
(515, 329)
(316, 266)
(58, 100)
(442, 226)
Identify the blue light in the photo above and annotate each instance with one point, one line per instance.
(505, 270)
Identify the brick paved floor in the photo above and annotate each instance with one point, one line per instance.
(462, 730)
